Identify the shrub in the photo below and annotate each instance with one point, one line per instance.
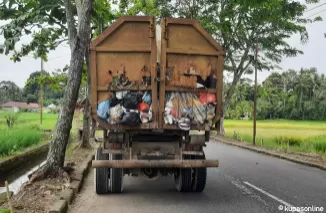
(11, 119)
(292, 141)
(4, 211)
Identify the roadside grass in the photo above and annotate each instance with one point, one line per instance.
(14, 140)
(26, 120)
(303, 136)
(26, 132)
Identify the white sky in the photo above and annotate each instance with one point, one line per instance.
(314, 55)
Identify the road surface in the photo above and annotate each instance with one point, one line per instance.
(245, 182)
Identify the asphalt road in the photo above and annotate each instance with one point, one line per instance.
(245, 182)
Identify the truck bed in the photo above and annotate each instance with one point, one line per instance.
(131, 90)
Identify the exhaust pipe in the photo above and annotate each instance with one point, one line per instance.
(150, 173)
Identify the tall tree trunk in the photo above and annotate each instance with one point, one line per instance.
(78, 44)
(301, 101)
(86, 120)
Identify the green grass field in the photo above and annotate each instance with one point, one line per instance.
(306, 136)
(26, 120)
(26, 131)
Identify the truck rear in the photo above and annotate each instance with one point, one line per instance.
(156, 108)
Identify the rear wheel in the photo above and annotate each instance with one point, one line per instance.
(199, 176)
(116, 175)
(183, 178)
(101, 174)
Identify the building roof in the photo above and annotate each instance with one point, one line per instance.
(19, 104)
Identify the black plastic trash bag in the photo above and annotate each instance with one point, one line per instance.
(113, 100)
(131, 100)
(131, 118)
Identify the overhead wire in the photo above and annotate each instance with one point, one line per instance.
(314, 8)
(58, 57)
(316, 13)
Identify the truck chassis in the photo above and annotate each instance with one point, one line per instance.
(150, 155)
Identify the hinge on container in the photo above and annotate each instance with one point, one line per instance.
(166, 30)
(151, 28)
(166, 33)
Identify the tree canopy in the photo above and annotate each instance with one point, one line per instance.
(9, 91)
(293, 94)
(53, 86)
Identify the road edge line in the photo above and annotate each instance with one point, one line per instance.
(269, 195)
(319, 166)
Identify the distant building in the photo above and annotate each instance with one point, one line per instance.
(17, 106)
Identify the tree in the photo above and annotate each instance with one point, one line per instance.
(290, 95)
(42, 79)
(240, 25)
(79, 36)
(55, 24)
(52, 90)
(9, 91)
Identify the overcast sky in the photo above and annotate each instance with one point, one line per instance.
(314, 55)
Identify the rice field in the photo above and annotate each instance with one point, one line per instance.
(305, 136)
(26, 131)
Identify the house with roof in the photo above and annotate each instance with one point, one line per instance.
(17, 106)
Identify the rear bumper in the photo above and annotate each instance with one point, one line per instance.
(128, 164)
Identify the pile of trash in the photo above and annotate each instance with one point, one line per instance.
(126, 107)
(186, 108)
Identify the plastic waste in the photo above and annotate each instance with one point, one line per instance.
(207, 98)
(103, 108)
(131, 100)
(145, 112)
(184, 124)
(131, 118)
(143, 107)
(116, 114)
(147, 98)
(168, 119)
(180, 106)
(113, 100)
(119, 95)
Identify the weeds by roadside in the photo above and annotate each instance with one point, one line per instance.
(314, 144)
(13, 140)
(5, 211)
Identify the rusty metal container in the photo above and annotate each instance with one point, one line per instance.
(128, 50)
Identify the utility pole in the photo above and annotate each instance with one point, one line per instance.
(255, 94)
(41, 93)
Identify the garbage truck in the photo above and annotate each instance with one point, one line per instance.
(156, 96)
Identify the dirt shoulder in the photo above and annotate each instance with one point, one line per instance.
(41, 195)
(310, 159)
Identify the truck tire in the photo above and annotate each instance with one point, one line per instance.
(101, 175)
(116, 175)
(199, 176)
(183, 178)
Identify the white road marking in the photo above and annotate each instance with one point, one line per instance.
(270, 195)
(245, 190)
